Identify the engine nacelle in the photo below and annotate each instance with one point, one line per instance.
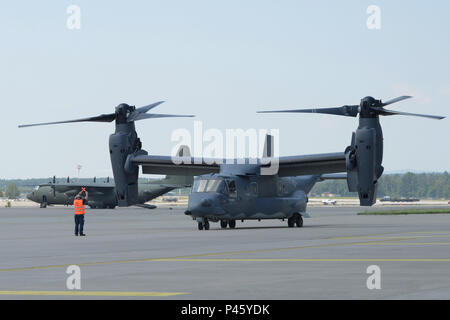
(123, 145)
(363, 160)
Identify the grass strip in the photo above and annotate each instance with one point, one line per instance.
(405, 211)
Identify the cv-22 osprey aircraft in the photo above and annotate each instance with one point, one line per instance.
(240, 191)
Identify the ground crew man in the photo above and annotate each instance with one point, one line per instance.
(80, 210)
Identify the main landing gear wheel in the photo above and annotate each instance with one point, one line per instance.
(232, 224)
(200, 226)
(291, 221)
(298, 220)
(295, 220)
(223, 224)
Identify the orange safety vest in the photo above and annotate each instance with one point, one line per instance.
(79, 206)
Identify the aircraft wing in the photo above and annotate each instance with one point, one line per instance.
(288, 166)
(182, 166)
(312, 164)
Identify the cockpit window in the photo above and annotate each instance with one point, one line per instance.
(208, 185)
(232, 188)
(213, 185)
(199, 185)
(36, 188)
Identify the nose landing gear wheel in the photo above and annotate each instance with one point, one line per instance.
(203, 225)
(44, 202)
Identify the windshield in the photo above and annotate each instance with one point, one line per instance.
(208, 185)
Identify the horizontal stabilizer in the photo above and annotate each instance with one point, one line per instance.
(146, 206)
(333, 176)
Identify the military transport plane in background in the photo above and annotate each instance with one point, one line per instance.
(227, 191)
(102, 195)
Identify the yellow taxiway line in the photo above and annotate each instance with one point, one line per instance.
(392, 237)
(299, 260)
(91, 293)
(194, 256)
(404, 244)
(375, 239)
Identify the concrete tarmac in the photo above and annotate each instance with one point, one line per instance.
(136, 253)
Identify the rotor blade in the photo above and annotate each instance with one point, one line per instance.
(395, 100)
(147, 108)
(385, 112)
(101, 118)
(142, 116)
(349, 111)
(134, 115)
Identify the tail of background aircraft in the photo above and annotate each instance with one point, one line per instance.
(180, 181)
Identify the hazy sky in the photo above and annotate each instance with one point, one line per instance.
(222, 61)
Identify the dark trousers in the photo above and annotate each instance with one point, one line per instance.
(79, 223)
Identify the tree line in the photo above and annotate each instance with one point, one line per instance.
(408, 185)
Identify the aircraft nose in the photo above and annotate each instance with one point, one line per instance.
(206, 203)
(202, 204)
(29, 196)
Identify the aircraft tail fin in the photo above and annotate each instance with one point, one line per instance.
(269, 147)
(180, 181)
